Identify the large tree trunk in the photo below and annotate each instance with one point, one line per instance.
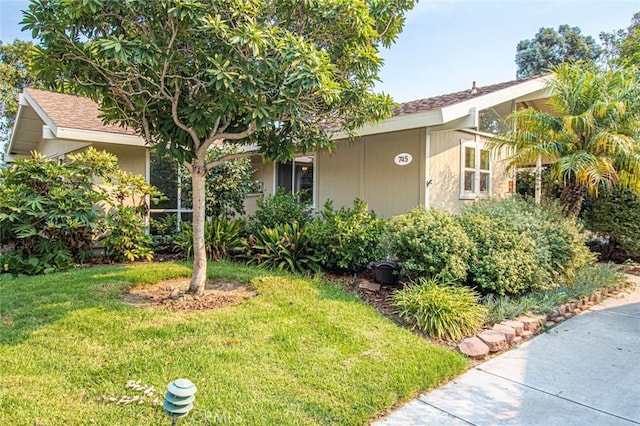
(571, 198)
(199, 276)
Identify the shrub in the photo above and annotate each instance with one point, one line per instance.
(504, 260)
(559, 241)
(347, 238)
(126, 238)
(442, 311)
(48, 212)
(616, 214)
(221, 238)
(279, 209)
(429, 243)
(284, 248)
(588, 280)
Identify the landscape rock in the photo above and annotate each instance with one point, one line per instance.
(549, 324)
(527, 334)
(568, 315)
(530, 324)
(516, 341)
(495, 340)
(473, 347)
(516, 325)
(508, 332)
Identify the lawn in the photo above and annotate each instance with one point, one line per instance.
(302, 352)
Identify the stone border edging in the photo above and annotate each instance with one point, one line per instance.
(511, 333)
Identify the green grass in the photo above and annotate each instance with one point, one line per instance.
(302, 352)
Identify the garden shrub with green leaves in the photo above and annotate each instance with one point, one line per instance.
(222, 238)
(442, 311)
(279, 209)
(49, 214)
(126, 239)
(616, 215)
(504, 260)
(559, 240)
(429, 243)
(284, 248)
(346, 239)
(48, 211)
(586, 281)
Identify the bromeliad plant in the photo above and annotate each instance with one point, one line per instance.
(284, 248)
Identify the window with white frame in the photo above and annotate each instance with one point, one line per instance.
(475, 176)
(297, 177)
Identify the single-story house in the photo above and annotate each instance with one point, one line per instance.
(432, 152)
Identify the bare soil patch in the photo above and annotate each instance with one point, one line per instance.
(172, 295)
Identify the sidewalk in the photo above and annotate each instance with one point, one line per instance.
(585, 371)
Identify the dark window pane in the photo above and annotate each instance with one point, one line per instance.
(163, 174)
(469, 178)
(284, 176)
(485, 180)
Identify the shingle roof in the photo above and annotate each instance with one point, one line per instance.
(441, 101)
(73, 112)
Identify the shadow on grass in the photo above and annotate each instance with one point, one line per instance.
(29, 303)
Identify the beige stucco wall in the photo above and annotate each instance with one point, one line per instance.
(365, 169)
(132, 159)
(445, 169)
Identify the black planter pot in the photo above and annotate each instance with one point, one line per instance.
(386, 272)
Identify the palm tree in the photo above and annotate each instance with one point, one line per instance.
(590, 135)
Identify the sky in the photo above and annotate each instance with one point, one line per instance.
(448, 44)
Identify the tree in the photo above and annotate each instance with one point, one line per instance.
(629, 46)
(16, 75)
(191, 74)
(550, 47)
(590, 134)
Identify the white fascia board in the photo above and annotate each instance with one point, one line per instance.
(96, 136)
(525, 89)
(38, 110)
(397, 123)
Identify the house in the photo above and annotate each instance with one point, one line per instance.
(432, 152)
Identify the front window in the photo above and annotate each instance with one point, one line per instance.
(476, 170)
(297, 177)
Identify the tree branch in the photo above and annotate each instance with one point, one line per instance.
(230, 157)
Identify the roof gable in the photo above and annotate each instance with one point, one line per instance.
(73, 112)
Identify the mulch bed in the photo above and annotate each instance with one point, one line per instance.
(172, 295)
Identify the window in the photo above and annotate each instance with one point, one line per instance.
(476, 170)
(164, 174)
(297, 177)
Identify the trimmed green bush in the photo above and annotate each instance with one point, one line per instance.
(279, 209)
(559, 240)
(504, 260)
(429, 244)
(346, 239)
(283, 248)
(616, 214)
(442, 311)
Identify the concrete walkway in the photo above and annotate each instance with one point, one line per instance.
(585, 371)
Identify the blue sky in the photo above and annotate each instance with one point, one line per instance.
(448, 44)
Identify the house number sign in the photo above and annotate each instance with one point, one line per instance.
(403, 159)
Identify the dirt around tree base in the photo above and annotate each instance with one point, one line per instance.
(172, 295)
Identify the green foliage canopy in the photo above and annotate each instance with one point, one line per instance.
(549, 48)
(188, 74)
